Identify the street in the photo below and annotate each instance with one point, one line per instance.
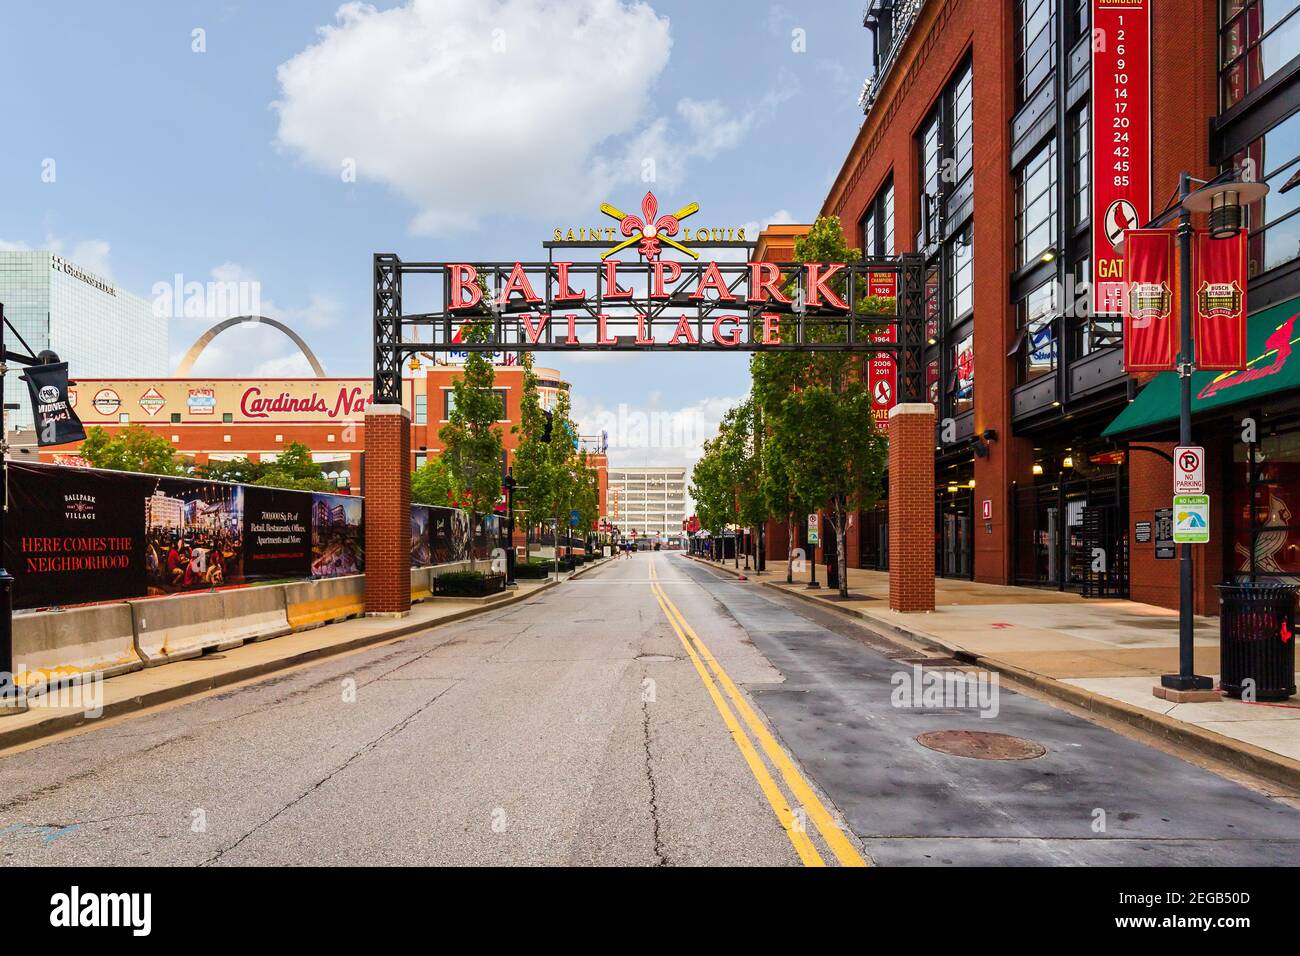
(646, 713)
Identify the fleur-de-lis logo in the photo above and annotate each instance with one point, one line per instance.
(649, 229)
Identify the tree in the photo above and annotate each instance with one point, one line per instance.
(294, 468)
(534, 478)
(840, 457)
(738, 449)
(134, 448)
(431, 484)
(243, 471)
(809, 402)
(562, 463)
(711, 489)
(472, 446)
(780, 494)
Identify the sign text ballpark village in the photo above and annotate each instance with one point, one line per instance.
(755, 286)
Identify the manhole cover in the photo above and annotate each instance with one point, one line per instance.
(981, 745)
(655, 658)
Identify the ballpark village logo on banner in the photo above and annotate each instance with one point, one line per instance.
(1121, 155)
(56, 422)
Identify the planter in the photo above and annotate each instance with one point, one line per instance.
(468, 584)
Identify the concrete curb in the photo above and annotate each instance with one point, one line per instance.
(62, 722)
(1235, 753)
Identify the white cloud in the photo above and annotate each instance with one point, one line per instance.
(651, 432)
(465, 106)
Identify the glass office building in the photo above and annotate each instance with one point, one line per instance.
(99, 329)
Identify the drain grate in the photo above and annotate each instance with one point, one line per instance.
(981, 745)
(932, 661)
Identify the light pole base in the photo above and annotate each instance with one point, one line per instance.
(812, 585)
(1186, 682)
(10, 707)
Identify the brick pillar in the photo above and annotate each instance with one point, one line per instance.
(911, 507)
(388, 511)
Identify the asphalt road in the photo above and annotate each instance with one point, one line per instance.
(646, 713)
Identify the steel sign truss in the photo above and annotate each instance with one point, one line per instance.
(656, 306)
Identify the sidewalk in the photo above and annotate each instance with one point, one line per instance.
(1104, 655)
(152, 686)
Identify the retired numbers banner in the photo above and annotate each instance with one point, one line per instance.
(1121, 148)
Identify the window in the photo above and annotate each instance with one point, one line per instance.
(1256, 38)
(961, 275)
(962, 370)
(1081, 156)
(962, 140)
(421, 409)
(449, 399)
(176, 417)
(1274, 221)
(227, 417)
(878, 224)
(1035, 44)
(1036, 227)
(1038, 322)
(930, 180)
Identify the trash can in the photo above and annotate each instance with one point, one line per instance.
(1257, 639)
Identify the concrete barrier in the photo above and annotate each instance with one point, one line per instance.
(55, 646)
(323, 601)
(420, 585)
(256, 613)
(179, 626)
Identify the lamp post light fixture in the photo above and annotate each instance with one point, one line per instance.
(1222, 200)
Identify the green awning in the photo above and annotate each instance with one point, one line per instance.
(1273, 344)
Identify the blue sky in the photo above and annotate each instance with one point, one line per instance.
(473, 127)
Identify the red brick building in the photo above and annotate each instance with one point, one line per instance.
(225, 419)
(976, 151)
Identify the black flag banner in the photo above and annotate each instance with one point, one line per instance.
(56, 422)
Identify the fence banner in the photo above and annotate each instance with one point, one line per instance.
(1150, 319)
(337, 537)
(81, 535)
(68, 537)
(1219, 302)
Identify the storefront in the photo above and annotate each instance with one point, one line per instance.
(1249, 423)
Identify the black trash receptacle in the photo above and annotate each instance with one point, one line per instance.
(1257, 639)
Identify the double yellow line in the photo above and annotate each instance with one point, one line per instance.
(811, 808)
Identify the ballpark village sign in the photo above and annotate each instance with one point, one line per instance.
(650, 303)
(674, 290)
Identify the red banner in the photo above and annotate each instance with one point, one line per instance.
(1219, 302)
(882, 372)
(1150, 319)
(1121, 134)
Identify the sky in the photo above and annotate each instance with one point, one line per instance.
(282, 144)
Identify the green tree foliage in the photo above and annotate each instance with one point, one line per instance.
(534, 478)
(134, 448)
(822, 448)
(432, 484)
(711, 488)
(293, 468)
(471, 439)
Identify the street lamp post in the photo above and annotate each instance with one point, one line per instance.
(1222, 198)
(11, 700)
(510, 525)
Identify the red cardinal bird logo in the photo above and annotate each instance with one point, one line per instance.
(1286, 633)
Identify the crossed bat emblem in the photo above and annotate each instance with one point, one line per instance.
(649, 229)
